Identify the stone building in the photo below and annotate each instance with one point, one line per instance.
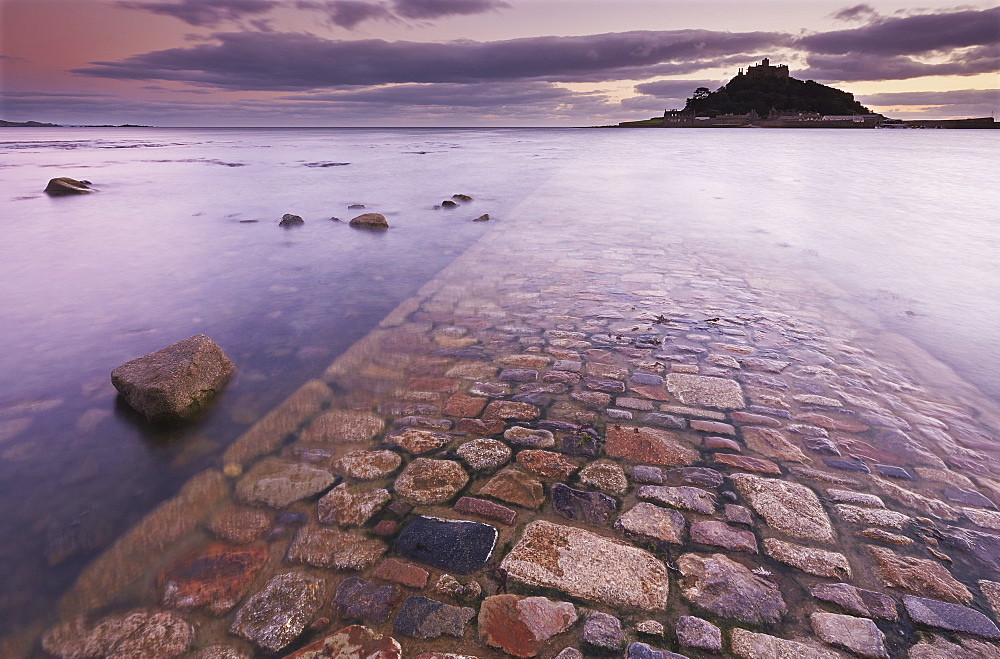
(765, 70)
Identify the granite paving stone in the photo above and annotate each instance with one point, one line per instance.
(423, 617)
(458, 546)
(786, 506)
(683, 497)
(355, 642)
(920, 576)
(698, 633)
(333, 548)
(368, 465)
(278, 613)
(647, 445)
(515, 486)
(357, 599)
(808, 559)
(720, 534)
(951, 617)
(484, 454)
(588, 566)
(427, 481)
(728, 589)
(588, 507)
(216, 577)
(397, 571)
(605, 475)
(859, 635)
(864, 603)
(602, 630)
(520, 625)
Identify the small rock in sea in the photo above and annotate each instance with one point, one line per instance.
(66, 186)
(448, 203)
(482, 218)
(461, 197)
(334, 218)
(289, 220)
(173, 383)
(353, 207)
(370, 221)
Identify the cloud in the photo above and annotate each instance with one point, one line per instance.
(14, 59)
(855, 13)
(348, 13)
(911, 35)
(961, 96)
(300, 62)
(202, 13)
(430, 9)
(674, 88)
(842, 68)
(479, 95)
(958, 103)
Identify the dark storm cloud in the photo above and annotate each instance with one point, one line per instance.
(283, 61)
(842, 68)
(348, 13)
(429, 9)
(911, 35)
(205, 12)
(855, 13)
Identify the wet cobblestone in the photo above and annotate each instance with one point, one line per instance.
(634, 433)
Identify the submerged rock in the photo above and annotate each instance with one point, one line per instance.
(215, 578)
(751, 645)
(276, 483)
(147, 634)
(173, 383)
(426, 481)
(866, 603)
(354, 641)
(809, 559)
(66, 186)
(918, 575)
(278, 613)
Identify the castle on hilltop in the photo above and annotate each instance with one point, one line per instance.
(765, 70)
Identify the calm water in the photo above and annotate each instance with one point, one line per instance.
(183, 239)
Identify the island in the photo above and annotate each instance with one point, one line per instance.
(766, 96)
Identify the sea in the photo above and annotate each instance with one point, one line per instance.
(182, 238)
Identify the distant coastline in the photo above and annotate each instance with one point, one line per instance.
(39, 124)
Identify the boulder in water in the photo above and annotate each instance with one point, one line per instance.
(482, 218)
(289, 220)
(173, 383)
(461, 197)
(370, 221)
(65, 186)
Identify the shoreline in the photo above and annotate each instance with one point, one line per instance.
(562, 332)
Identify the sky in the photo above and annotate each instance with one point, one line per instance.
(474, 62)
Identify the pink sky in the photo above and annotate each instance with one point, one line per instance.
(473, 62)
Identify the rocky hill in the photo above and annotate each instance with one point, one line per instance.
(745, 93)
